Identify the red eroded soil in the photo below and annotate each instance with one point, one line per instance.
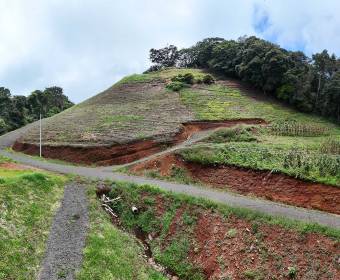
(271, 186)
(230, 246)
(14, 166)
(121, 154)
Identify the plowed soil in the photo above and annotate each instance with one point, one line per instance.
(124, 153)
(264, 184)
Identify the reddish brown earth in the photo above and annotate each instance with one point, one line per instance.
(14, 166)
(121, 154)
(271, 186)
(231, 246)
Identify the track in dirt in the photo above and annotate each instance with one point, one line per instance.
(271, 186)
(130, 152)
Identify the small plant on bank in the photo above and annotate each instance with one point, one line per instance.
(187, 78)
(292, 272)
(235, 134)
(175, 86)
(208, 79)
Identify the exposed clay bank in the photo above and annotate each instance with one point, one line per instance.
(265, 184)
(121, 154)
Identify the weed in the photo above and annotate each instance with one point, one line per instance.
(232, 233)
(253, 274)
(292, 272)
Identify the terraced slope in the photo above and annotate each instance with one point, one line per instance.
(138, 116)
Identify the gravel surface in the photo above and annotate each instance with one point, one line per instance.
(67, 237)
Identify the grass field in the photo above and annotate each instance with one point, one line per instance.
(28, 200)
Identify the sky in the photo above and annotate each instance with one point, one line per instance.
(85, 46)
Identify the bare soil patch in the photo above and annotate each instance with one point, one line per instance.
(271, 186)
(15, 166)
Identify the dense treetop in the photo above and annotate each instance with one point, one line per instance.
(309, 84)
(18, 110)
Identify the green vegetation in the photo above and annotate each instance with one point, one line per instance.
(294, 128)
(144, 197)
(298, 163)
(240, 133)
(27, 203)
(311, 85)
(110, 253)
(181, 81)
(4, 159)
(16, 111)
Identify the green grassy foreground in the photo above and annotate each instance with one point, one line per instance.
(28, 201)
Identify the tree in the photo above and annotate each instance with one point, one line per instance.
(331, 97)
(166, 57)
(325, 67)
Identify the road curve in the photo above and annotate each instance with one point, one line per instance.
(268, 207)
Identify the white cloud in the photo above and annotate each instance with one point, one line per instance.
(84, 46)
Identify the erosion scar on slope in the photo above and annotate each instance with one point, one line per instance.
(65, 244)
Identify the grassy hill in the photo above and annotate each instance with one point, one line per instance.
(140, 107)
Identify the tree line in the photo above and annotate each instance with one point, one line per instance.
(309, 84)
(19, 110)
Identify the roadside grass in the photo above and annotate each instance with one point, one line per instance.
(28, 201)
(172, 229)
(133, 195)
(7, 173)
(111, 253)
(50, 160)
(295, 162)
(4, 159)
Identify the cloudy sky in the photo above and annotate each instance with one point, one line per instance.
(85, 46)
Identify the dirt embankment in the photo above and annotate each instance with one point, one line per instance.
(229, 247)
(121, 154)
(271, 186)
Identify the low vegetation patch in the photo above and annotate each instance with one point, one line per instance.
(298, 163)
(240, 133)
(27, 204)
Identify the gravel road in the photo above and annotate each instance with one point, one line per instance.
(269, 207)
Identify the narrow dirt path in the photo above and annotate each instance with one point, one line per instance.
(65, 244)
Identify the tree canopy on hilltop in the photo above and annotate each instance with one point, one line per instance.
(309, 84)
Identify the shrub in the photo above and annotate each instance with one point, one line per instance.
(199, 81)
(235, 134)
(187, 78)
(208, 79)
(175, 85)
